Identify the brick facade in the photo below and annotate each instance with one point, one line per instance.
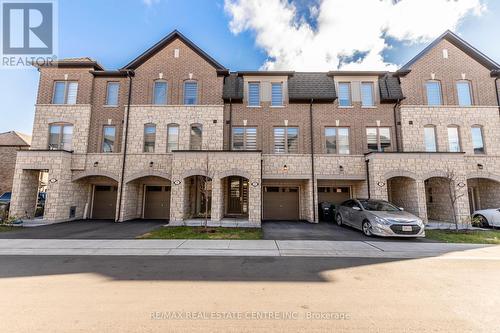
(408, 177)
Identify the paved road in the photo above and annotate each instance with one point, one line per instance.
(137, 294)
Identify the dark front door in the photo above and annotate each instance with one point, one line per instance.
(157, 203)
(238, 196)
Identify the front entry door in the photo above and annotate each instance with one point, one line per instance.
(238, 196)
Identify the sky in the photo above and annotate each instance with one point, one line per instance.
(300, 35)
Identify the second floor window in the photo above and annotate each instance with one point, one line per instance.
(190, 93)
(430, 139)
(286, 140)
(244, 138)
(60, 137)
(367, 94)
(277, 94)
(453, 139)
(434, 97)
(477, 140)
(172, 137)
(160, 93)
(464, 93)
(196, 137)
(345, 94)
(112, 93)
(108, 139)
(378, 138)
(253, 94)
(149, 138)
(65, 92)
(337, 140)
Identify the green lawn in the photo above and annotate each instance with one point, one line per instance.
(6, 229)
(201, 233)
(466, 236)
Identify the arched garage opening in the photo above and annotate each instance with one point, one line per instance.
(103, 195)
(483, 193)
(403, 192)
(148, 197)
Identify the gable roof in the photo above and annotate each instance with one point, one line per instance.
(454, 39)
(319, 87)
(15, 139)
(164, 42)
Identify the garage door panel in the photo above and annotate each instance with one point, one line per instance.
(281, 203)
(104, 205)
(335, 195)
(157, 203)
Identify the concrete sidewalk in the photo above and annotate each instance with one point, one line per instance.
(254, 248)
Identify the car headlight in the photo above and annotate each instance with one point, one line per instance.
(382, 221)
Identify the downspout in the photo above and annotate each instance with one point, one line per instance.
(261, 189)
(130, 75)
(313, 176)
(396, 123)
(368, 177)
(230, 123)
(498, 94)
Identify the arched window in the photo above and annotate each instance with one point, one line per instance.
(430, 138)
(434, 97)
(454, 139)
(190, 92)
(60, 136)
(172, 137)
(149, 138)
(196, 137)
(160, 92)
(477, 139)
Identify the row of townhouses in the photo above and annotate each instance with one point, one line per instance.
(176, 135)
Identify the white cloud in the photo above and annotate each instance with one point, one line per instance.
(344, 28)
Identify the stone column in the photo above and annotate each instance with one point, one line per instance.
(177, 200)
(217, 200)
(254, 203)
(24, 193)
(462, 209)
(421, 200)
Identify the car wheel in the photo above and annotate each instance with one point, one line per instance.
(367, 228)
(339, 220)
(483, 222)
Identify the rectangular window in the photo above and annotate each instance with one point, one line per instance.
(286, 140)
(196, 138)
(477, 140)
(172, 138)
(378, 138)
(109, 137)
(112, 92)
(244, 138)
(253, 94)
(434, 93)
(60, 137)
(430, 139)
(190, 93)
(149, 138)
(464, 93)
(337, 140)
(160, 93)
(65, 92)
(453, 139)
(345, 94)
(277, 94)
(367, 94)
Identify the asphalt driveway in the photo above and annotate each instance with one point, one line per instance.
(87, 229)
(293, 230)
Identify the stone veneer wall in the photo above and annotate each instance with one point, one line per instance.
(210, 117)
(441, 118)
(7, 167)
(78, 115)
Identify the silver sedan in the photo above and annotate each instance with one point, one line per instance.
(379, 218)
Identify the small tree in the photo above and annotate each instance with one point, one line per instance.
(205, 187)
(452, 189)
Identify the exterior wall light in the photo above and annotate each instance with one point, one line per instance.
(151, 164)
(480, 166)
(285, 168)
(96, 164)
(341, 168)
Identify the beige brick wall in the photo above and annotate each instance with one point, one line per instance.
(7, 167)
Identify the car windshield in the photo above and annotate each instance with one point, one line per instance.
(379, 206)
(5, 196)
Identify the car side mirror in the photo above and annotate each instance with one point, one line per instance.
(356, 208)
